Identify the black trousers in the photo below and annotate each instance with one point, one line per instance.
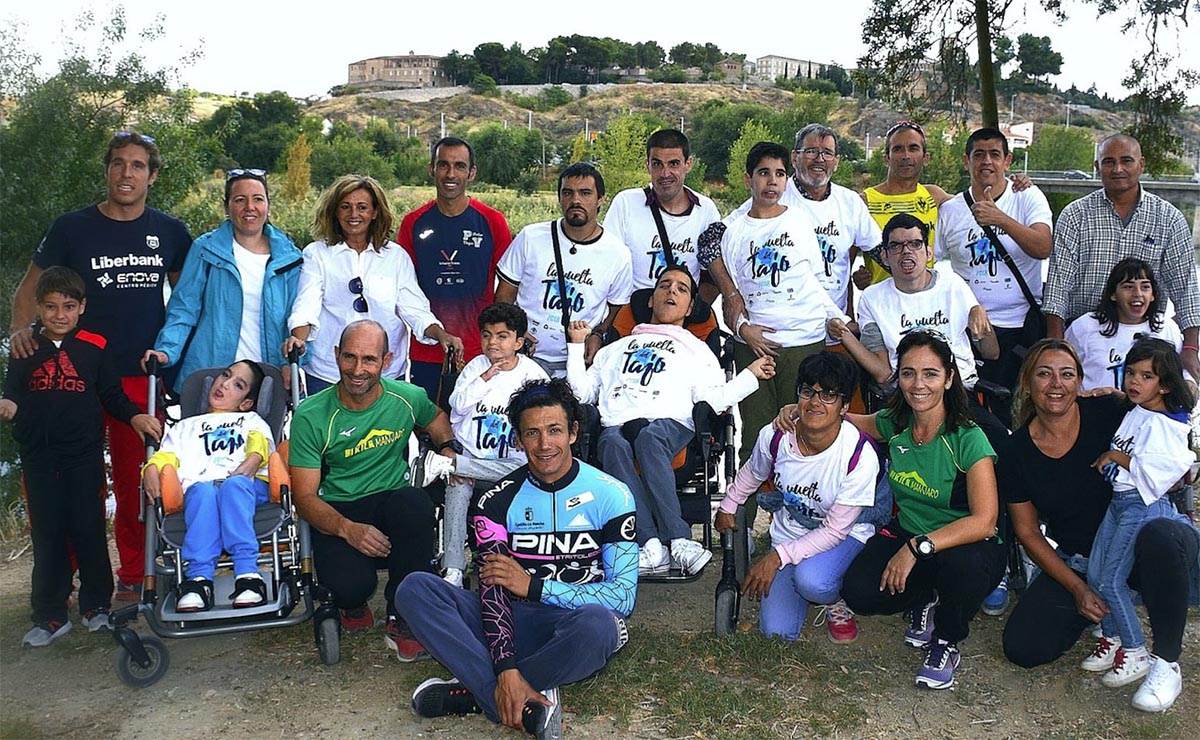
(1044, 625)
(405, 517)
(962, 577)
(66, 512)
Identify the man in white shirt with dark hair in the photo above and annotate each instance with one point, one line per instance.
(684, 213)
(1021, 221)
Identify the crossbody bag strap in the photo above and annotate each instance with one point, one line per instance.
(562, 281)
(668, 252)
(1004, 255)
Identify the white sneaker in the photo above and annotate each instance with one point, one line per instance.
(249, 590)
(435, 466)
(454, 577)
(689, 556)
(1161, 688)
(1101, 658)
(41, 635)
(653, 558)
(1128, 666)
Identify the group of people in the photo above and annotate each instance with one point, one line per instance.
(893, 511)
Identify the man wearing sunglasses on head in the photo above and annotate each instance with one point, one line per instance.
(125, 251)
(905, 155)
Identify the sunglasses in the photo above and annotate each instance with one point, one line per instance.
(237, 172)
(360, 303)
(929, 331)
(910, 125)
(133, 135)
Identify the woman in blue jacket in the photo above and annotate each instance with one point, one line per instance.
(236, 289)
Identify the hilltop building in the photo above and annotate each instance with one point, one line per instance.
(410, 71)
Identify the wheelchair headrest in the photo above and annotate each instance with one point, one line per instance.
(639, 304)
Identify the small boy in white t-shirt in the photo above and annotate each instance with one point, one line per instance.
(484, 441)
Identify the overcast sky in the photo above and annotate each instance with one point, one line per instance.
(304, 48)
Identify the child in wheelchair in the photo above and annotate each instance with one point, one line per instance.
(484, 442)
(218, 460)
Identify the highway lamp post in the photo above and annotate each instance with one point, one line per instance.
(1012, 110)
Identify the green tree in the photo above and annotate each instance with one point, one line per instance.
(299, 172)
(506, 152)
(750, 134)
(1036, 57)
(484, 85)
(1061, 148)
(899, 35)
(620, 151)
(716, 123)
(460, 68)
(339, 156)
(491, 58)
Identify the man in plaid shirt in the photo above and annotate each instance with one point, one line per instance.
(1121, 220)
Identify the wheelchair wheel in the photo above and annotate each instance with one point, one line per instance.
(137, 676)
(329, 644)
(725, 623)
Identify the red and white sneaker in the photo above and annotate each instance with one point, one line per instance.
(1129, 665)
(357, 620)
(400, 638)
(839, 620)
(1101, 658)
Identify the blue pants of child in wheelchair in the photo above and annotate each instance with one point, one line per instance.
(220, 516)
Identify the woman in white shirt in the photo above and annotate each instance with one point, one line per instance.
(354, 271)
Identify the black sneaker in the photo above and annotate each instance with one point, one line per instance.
(438, 697)
(541, 721)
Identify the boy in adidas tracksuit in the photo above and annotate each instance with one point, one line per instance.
(55, 398)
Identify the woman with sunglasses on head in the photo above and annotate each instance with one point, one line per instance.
(354, 271)
(939, 557)
(236, 288)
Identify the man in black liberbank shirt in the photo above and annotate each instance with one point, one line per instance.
(124, 251)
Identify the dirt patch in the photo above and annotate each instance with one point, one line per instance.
(272, 684)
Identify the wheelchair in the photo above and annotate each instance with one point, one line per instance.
(707, 465)
(284, 560)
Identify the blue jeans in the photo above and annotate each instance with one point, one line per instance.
(1111, 561)
(220, 516)
(554, 646)
(653, 488)
(815, 580)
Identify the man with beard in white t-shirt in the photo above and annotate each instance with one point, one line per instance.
(596, 271)
(1021, 221)
(685, 214)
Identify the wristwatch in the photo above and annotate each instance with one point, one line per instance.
(452, 443)
(924, 549)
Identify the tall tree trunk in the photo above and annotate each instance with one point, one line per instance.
(987, 76)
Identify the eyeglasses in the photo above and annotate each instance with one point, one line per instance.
(912, 245)
(133, 135)
(813, 152)
(910, 125)
(237, 172)
(360, 303)
(825, 395)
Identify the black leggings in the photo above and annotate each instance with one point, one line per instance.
(1044, 625)
(405, 517)
(962, 576)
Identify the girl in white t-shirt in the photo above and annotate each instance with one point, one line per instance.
(824, 476)
(1148, 457)
(220, 462)
(1130, 307)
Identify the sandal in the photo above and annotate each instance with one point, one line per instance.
(195, 595)
(249, 591)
